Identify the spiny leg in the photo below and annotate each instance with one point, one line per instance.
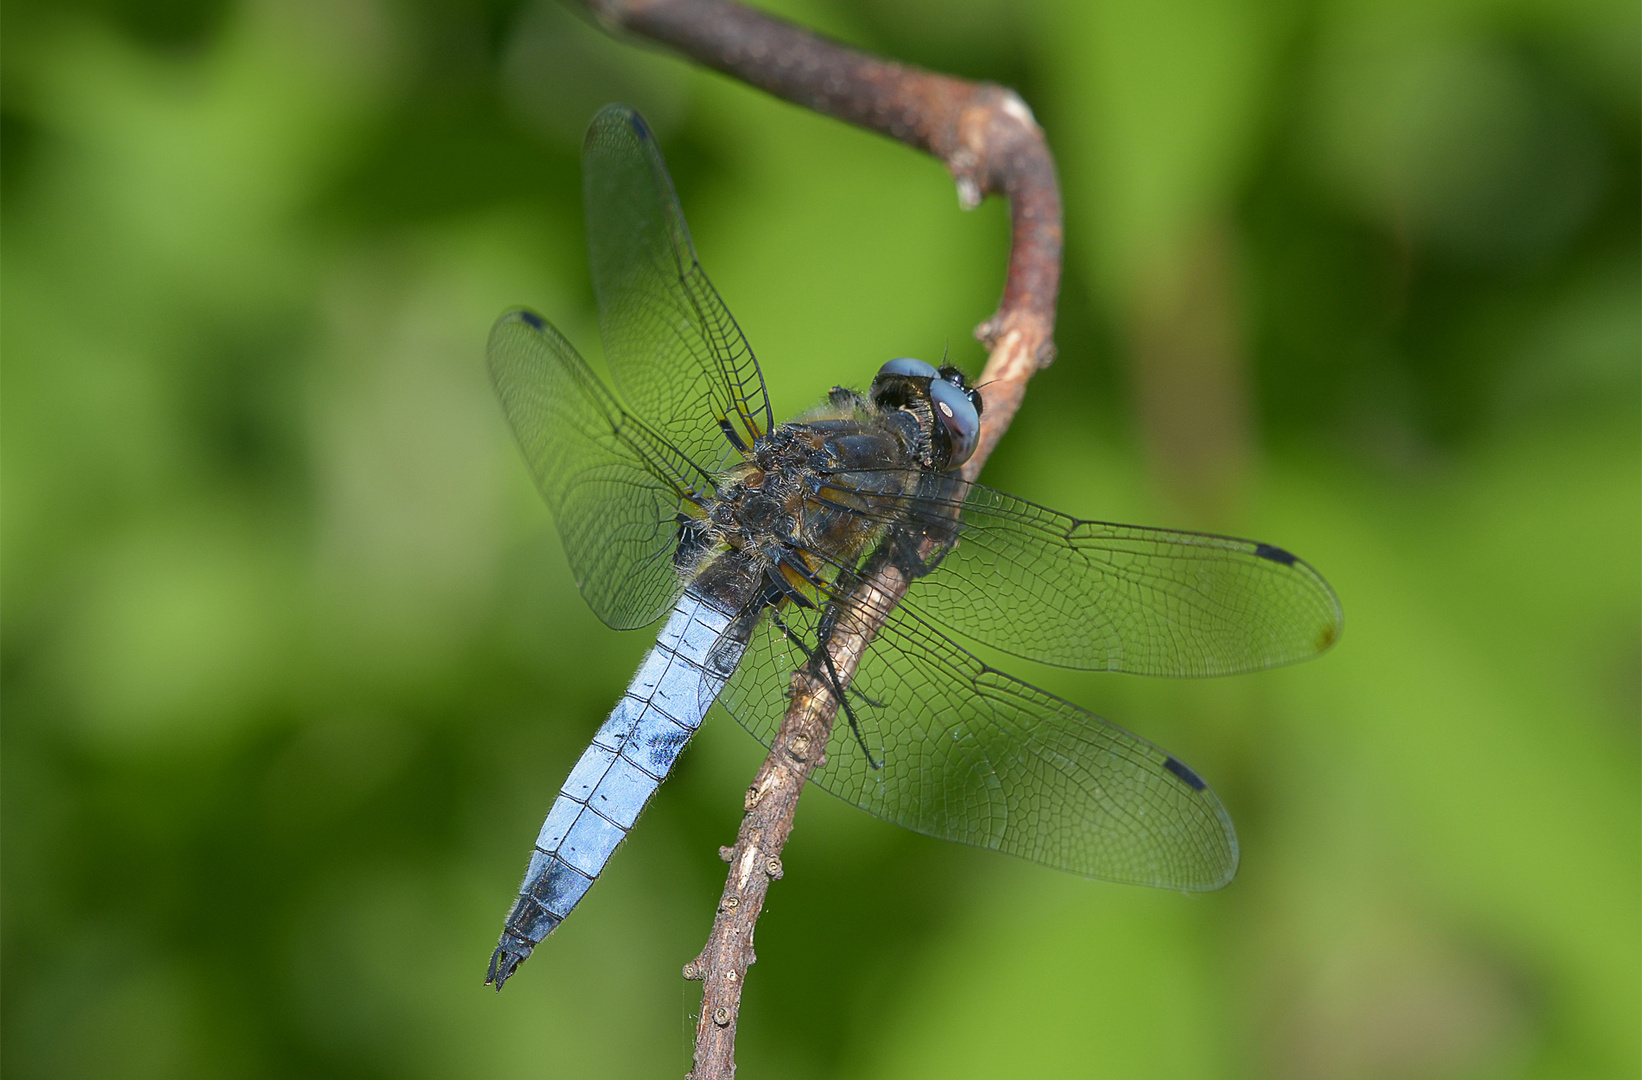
(836, 687)
(809, 654)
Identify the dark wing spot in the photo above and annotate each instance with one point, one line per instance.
(638, 123)
(1178, 767)
(1275, 554)
(1326, 639)
(531, 318)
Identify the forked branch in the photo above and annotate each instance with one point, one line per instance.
(990, 143)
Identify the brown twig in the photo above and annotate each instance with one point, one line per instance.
(986, 136)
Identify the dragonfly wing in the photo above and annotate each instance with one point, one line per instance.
(952, 748)
(616, 487)
(1048, 587)
(1089, 594)
(677, 355)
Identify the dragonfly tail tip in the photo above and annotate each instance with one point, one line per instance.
(503, 962)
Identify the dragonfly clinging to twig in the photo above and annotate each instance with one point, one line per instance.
(683, 498)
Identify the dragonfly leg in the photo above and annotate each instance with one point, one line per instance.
(849, 713)
(905, 554)
(809, 654)
(786, 590)
(835, 686)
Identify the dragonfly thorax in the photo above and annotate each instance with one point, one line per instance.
(759, 504)
(792, 513)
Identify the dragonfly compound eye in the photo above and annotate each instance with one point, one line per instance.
(907, 366)
(958, 417)
(956, 378)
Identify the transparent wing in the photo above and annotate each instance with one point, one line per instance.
(616, 488)
(1089, 594)
(967, 753)
(677, 355)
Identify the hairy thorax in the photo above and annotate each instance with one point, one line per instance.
(778, 515)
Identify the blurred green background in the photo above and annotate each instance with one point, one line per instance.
(293, 665)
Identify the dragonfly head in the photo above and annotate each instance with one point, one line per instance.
(947, 410)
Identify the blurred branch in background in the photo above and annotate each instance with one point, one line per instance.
(989, 142)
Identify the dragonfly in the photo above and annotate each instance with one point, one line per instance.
(682, 498)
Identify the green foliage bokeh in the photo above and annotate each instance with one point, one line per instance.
(292, 664)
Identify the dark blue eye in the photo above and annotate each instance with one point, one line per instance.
(958, 416)
(905, 365)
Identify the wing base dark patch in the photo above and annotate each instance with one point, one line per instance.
(1179, 768)
(730, 433)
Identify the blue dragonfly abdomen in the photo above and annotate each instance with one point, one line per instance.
(633, 752)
